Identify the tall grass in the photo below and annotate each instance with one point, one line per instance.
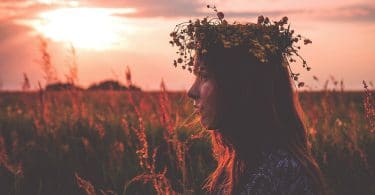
(111, 142)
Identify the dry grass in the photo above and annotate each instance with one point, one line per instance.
(149, 143)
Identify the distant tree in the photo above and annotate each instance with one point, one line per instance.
(108, 85)
(62, 86)
(134, 88)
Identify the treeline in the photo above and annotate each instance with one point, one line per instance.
(103, 85)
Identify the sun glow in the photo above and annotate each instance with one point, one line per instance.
(89, 28)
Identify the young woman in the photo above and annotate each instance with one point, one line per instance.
(245, 98)
(257, 132)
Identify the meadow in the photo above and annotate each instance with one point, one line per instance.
(134, 142)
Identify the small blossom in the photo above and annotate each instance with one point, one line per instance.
(220, 15)
(285, 20)
(260, 19)
(267, 20)
(307, 41)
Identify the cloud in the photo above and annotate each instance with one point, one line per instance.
(16, 54)
(152, 8)
(10, 10)
(354, 13)
(363, 11)
(22, 9)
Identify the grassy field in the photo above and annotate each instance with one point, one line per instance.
(112, 142)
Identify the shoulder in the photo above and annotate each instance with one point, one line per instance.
(280, 173)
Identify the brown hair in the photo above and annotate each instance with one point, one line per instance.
(258, 110)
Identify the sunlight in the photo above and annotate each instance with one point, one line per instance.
(89, 28)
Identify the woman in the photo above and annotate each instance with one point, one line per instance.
(256, 128)
(245, 99)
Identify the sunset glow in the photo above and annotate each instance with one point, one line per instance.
(89, 28)
(109, 35)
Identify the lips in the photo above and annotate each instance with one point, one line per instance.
(197, 109)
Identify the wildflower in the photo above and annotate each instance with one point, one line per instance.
(220, 15)
(284, 20)
(260, 19)
(266, 20)
(307, 41)
(191, 37)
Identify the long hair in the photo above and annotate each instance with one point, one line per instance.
(258, 109)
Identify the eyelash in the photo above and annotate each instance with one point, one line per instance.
(203, 77)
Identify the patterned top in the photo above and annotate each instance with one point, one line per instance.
(280, 173)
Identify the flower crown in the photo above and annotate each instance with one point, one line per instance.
(264, 39)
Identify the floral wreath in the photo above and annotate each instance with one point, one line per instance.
(264, 39)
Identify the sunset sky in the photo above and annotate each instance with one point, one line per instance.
(111, 34)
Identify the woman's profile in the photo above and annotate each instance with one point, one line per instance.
(244, 95)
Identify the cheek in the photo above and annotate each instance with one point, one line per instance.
(208, 98)
(206, 90)
(208, 95)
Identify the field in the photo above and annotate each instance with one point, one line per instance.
(121, 142)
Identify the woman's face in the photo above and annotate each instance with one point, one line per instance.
(203, 92)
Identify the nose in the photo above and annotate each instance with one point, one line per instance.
(193, 92)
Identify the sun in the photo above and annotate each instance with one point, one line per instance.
(89, 28)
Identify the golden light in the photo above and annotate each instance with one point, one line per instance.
(89, 28)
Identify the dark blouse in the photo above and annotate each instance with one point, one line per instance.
(280, 173)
